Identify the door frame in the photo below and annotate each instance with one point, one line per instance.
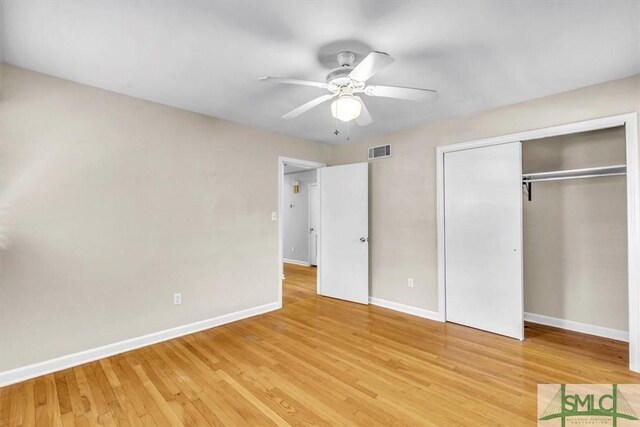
(630, 122)
(313, 184)
(296, 162)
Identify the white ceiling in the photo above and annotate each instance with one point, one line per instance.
(207, 56)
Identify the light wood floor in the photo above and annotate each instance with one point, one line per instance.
(324, 362)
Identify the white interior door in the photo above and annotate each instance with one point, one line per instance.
(314, 218)
(344, 232)
(483, 238)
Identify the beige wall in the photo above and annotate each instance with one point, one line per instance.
(106, 215)
(112, 204)
(403, 187)
(575, 231)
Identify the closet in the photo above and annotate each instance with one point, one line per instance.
(575, 232)
(539, 226)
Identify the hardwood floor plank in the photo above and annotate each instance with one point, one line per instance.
(321, 361)
(165, 414)
(266, 411)
(230, 410)
(52, 407)
(28, 405)
(126, 392)
(40, 398)
(5, 404)
(86, 395)
(64, 401)
(136, 387)
(16, 400)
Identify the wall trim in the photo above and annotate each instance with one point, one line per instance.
(296, 262)
(408, 309)
(24, 373)
(584, 328)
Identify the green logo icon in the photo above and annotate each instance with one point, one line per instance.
(613, 405)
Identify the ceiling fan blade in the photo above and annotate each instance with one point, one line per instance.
(370, 65)
(408, 93)
(308, 106)
(282, 80)
(364, 119)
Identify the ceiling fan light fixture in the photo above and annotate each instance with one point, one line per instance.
(346, 108)
(347, 81)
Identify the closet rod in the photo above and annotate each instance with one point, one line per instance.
(575, 173)
(529, 178)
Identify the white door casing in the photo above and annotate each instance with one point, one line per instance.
(314, 218)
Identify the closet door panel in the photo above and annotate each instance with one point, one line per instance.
(483, 238)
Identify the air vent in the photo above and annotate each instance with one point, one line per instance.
(379, 152)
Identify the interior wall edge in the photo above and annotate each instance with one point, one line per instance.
(27, 372)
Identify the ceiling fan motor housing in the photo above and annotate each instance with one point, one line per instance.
(339, 76)
(346, 58)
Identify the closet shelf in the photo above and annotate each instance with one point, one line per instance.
(575, 173)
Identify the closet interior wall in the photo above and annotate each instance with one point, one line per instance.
(575, 231)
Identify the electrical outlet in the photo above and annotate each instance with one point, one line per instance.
(177, 299)
(410, 283)
(274, 216)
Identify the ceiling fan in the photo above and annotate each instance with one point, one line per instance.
(346, 81)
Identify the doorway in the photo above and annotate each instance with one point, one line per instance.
(294, 179)
(297, 213)
(329, 208)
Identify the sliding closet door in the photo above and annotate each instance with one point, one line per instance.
(483, 238)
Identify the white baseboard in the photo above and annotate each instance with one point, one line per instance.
(408, 309)
(584, 328)
(296, 262)
(59, 363)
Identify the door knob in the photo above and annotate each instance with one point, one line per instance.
(363, 239)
